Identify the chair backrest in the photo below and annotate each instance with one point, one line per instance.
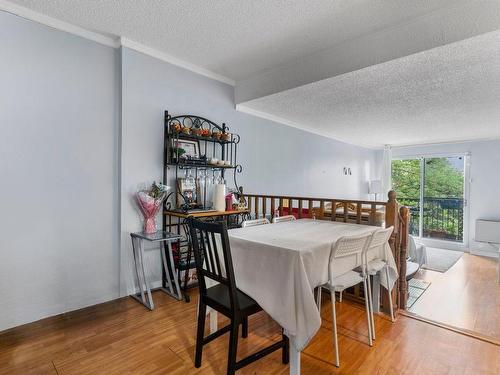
(378, 239)
(210, 242)
(281, 219)
(253, 223)
(349, 247)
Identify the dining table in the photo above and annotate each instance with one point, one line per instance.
(279, 265)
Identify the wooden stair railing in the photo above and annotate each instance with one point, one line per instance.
(378, 213)
(354, 211)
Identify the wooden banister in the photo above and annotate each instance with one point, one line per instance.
(353, 201)
(352, 211)
(404, 215)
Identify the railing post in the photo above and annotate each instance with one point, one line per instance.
(334, 211)
(359, 206)
(404, 213)
(256, 207)
(321, 215)
(249, 204)
(392, 219)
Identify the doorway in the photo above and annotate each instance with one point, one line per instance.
(447, 287)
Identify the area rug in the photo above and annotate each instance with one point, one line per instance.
(441, 260)
(416, 288)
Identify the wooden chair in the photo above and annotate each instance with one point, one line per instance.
(376, 265)
(283, 218)
(224, 297)
(253, 223)
(352, 247)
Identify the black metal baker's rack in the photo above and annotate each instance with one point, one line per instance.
(175, 214)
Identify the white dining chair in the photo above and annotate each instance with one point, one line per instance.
(347, 250)
(376, 263)
(282, 219)
(253, 223)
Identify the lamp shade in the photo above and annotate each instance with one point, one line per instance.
(375, 187)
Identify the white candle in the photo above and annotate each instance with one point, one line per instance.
(220, 197)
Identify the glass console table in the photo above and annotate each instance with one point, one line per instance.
(172, 287)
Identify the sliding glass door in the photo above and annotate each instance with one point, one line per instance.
(434, 189)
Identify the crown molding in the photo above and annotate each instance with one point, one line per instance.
(444, 143)
(125, 42)
(281, 120)
(43, 19)
(32, 15)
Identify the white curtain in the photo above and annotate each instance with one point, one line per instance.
(386, 173)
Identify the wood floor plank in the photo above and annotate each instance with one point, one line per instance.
(466, 296)
(122, 337)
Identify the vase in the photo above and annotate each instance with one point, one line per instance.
(150, 225)
(149, 208)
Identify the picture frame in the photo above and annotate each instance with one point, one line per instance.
(188, 192)
(191, 147)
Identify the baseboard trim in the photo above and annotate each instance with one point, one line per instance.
(448, 327)
(441, 244)
(135, 289)
(484, 253)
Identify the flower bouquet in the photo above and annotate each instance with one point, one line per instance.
(149, 202)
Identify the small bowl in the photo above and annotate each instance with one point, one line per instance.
(214, 161)
(220, 162)
(227, 163)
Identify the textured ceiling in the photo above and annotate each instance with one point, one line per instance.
(236, 38)
(450, 93)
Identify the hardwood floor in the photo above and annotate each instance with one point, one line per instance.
(467, 296)
(122, 337)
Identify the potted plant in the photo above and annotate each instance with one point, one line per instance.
(175, 128)
(197, 131)
(216, 134)
(177, 153)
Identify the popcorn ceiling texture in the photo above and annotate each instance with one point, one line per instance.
(236, 38)
(450, 93)
(273, 49)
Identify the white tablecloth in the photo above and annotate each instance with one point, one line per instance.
(280, 264)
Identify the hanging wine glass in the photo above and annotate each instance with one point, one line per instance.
(202, 181)
(210, 183)
(190, 180)
(218, 177)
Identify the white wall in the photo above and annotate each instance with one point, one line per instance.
(58, 172)
(82, 128)
(484, 198)
(276, 159)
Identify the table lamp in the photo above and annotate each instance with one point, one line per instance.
(375, 187)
